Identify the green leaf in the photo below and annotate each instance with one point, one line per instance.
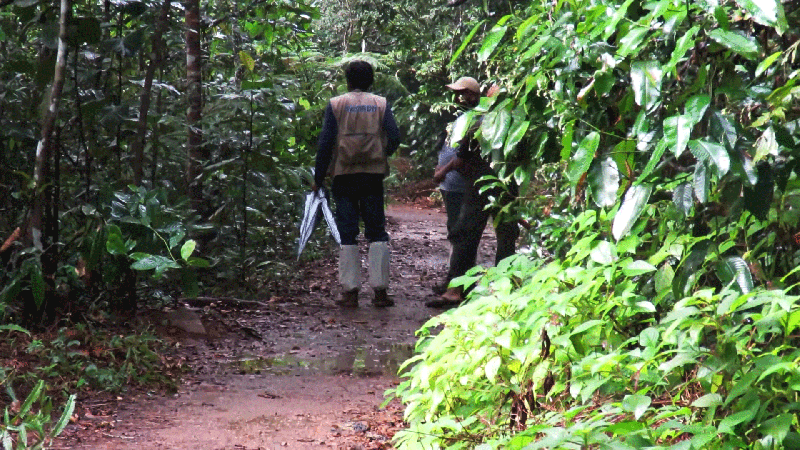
(637, 404)
(726, 425)
(492, 367)
(696, 107)
(743, 45)
(194, 261)
(646, 83)
(65, 416)
(583, 157)
(655, 158)
(707, 401)
(188, 249)
(767, 63)
(494, 127)
(631, 42)
(515, 135)
(767, 144)
(649, 337)
(701, 181)
(734, 268)
(566, 140)
(466, 42)
(115, 245)
(490, 42)
(777, 427)
(604, 253)
(677, 131)
(604, 182)
(683, 45)
(247, 60)
(460, 127)
(682, 197)
(37, 285)
(13, 327)
(31, 398)
(154, 262)
(742, 385)
(633, 204)
(638, 267)
(715, 153)
(766, 12)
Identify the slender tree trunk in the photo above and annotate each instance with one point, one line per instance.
(156, 59)
(44, 150)
(195, 100)
(39, 229)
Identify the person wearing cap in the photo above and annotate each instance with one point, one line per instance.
(452, 186)
(466, 232)
(358, 135)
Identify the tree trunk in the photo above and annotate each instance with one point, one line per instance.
(195, 103)
(39, 229)
(44, 150)
(156, 59)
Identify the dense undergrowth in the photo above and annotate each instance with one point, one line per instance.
(595, 351)
(43, 374)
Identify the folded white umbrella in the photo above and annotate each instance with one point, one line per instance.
(315, 201)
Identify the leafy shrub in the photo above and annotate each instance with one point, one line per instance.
(25, 426)
(572, 354)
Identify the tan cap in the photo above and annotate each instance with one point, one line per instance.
(466, 84)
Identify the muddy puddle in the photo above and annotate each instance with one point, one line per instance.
(375, 360)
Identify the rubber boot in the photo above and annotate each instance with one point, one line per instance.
(349, 275)
(379, 273)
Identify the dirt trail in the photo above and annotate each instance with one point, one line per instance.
(294, 372)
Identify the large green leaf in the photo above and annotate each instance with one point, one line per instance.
(677, 131)
(723, 129)
(766, 12)
(491, 41)
(604, 182)
(515, 135)
(734, 268)
(460, 127)
(767, 144)
(682, 197)
(155, 262)
(37, 285)
(696, 107)
(582, 159)
(466, 42)
(633, 204)
(646, 82)
(683, 45)
(701, 181)
(743, 45)
(566, 140)
(714, 153)
(188, 249)
(767, 63)
(637, 404)
(630, 43)
(655, 158)
(495, 125)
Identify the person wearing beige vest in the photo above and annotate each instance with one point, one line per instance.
(358, 135)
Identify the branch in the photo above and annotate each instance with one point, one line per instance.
(454, 3)
(11, 239)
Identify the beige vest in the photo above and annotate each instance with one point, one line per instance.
(361, 139)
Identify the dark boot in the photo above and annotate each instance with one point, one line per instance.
(349, 299)
(440, 288)
(381, 299)
(451, 298)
